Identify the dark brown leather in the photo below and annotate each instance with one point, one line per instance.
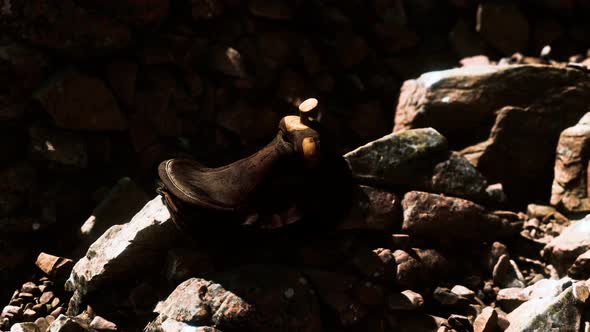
(229, 188)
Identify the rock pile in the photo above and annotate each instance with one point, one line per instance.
(469, 198)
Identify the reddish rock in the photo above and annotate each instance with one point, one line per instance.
(406, 300)
(503, 26)
(419, 267)
(570, 184)
(448, 219)
(373, 209)
(259, 300)
(80, 102)
(53, 266)
(537, 113)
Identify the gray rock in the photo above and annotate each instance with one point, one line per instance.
(547, 314)
(402, 158)
(122, 251)
(457, 177)
(563, 250)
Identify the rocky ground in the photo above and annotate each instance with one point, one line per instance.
(467, 139)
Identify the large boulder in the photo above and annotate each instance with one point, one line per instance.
(570, 184)
(463, 104)
(448, 219)
(122, 251)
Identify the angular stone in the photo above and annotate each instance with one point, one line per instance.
(333, 289)
(46, 297)
(280, 300)
(30, 287)
(24, 327)
(419, 267)
(54, 266)
(487, 321)
(448, 219)
(463, 292)
(503, 26)
(546, 314)
(58, 148)
(42, 324)
(80, 102)
(451, 102)
(373, 209)
(406, 300)
(506, 273)
(397, 159)
(120, 204)
(563, 250)
(102, 324)
(66, 324)
(122, 250)
(570, 183)
(581, 267)
(457, 177)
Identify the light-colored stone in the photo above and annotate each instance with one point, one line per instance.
(122, 251)
(24, 327)
(547, 314)
(102, 324)
(563, 250)
(487, 321)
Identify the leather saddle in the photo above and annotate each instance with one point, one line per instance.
(231, 188)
